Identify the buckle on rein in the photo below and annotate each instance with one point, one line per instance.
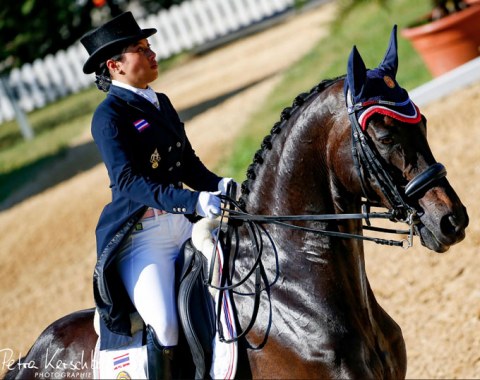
(411, 220)
(408, 216)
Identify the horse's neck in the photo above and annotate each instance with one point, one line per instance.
(295, 178)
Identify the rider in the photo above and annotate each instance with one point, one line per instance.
(148, 158)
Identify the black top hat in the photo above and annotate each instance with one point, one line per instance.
(108, 40)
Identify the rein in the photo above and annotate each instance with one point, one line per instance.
(282, 219)
(364, 156)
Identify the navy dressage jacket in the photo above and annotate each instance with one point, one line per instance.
(148, 158)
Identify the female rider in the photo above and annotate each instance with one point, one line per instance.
(148, 158)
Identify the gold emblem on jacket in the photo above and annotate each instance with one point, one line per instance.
(155, 159)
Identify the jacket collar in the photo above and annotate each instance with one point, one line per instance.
(133, 99)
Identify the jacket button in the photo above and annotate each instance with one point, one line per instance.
(169, 148)
(179, 144)
(170, 168)
(178, 164)
(179, 184)
(184, 209)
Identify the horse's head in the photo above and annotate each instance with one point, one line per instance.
(395, 166)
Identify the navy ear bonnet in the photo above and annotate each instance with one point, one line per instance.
(368, 92)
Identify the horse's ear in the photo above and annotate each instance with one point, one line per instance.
(390, 61)
(356, 72)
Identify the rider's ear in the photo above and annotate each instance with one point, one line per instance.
(356, 73)
(390, 61)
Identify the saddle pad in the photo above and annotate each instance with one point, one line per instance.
(225, 355)
(124, 363)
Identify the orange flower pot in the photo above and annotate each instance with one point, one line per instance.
(448, 42)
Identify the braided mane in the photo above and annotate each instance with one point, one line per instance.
(266, 145)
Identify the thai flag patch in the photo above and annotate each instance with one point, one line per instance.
(121, 361)
(141, 125)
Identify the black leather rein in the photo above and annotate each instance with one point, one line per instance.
(282, 220)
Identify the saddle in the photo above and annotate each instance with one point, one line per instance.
(200, 353)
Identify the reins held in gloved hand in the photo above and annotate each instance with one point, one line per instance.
(208, 204)
(224, 184)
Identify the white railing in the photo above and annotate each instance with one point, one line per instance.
(180, 28)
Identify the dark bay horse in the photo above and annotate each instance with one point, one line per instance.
(318, 316)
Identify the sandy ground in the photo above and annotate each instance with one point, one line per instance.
(47, 241)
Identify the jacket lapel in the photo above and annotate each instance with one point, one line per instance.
(143, 105)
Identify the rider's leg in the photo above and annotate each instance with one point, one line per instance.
(146, 263)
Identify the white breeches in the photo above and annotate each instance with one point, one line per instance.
(146, 263)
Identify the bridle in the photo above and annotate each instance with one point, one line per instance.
(366, 160)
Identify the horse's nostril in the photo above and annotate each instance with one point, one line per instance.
(452, 224)
(453, 221)
(449, 225)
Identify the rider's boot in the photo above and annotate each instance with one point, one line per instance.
(159, 358)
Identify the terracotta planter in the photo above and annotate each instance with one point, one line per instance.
(449, 42)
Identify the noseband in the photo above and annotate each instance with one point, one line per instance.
(425, 179)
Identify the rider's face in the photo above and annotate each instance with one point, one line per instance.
(137, 67)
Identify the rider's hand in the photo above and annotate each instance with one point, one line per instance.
(208, 205)
(223, 185)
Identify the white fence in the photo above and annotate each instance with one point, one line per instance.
(180, 28)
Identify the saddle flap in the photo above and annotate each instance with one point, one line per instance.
(196, 308)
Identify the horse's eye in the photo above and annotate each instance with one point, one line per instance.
(386, 140)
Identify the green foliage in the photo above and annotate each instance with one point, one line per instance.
(31, 29)
(34, 28)
(368, 27)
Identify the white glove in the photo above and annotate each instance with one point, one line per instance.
(208, 204)
(223, 184)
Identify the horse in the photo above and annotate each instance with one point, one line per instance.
(309, 312)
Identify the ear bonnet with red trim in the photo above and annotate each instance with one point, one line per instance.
(376, 91)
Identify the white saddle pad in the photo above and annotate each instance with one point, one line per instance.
(124, 363)
(225, 355)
